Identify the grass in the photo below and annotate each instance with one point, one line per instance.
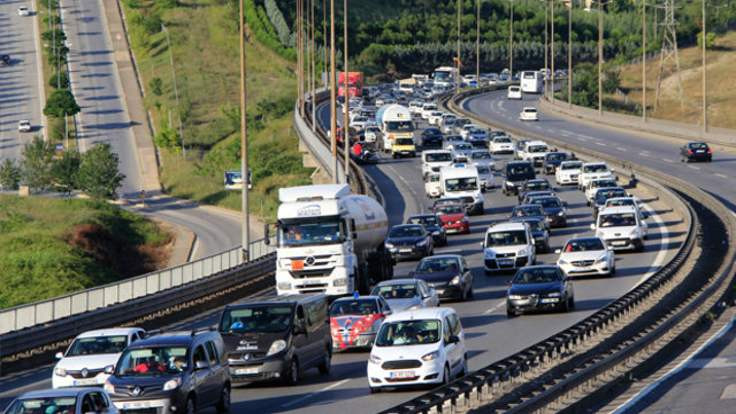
(204, 42)
(722, 98)
(53, 246)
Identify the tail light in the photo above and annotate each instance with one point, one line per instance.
(689, 152)
(710, 151)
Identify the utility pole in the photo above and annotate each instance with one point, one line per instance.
(244, 140)
(705, 70)
(569, 54)
(333, 95)
(477, 43)
(546, 48)
(511, 40)
(552, 52)
(314, 66)
(457, 74)
(324, 39)
(176, 89)
(299, 58)
(600, 57)
(644, 60)
(346, 95)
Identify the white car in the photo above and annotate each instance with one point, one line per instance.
(622, 228)
(467, 128)
(432, 185)
(422, 347)
(534, 151)
(482, 157)
(427, 109)
(434, 160)
(586, 256)
(627, 201)
(514, 92)
(359, 123)
(486, 177)
(529, 113)
(434, 118)
(593, 171)
(372, 133)
(568, 172)
(415, 108)
(84, 362)
(501, 145)
(460, 151)
(24, 11)
(24, 125)
(595, 185)
(406, 294)
(508, 246)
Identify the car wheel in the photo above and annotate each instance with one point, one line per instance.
(510, 312)
(463, 295)
(471, 294)
(191, 407)
(292, 374)
(446, 376)
(613, 271)
(374, 390)
(465, 366)
(223, 406)
(326, 364)
(565, 306)
(571, 303)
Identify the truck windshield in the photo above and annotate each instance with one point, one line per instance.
(400, 126)
(441, 76)
(461, 184)
(261, 318)
(302, 233)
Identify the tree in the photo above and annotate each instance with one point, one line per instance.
(61, 103)
(98, 174)
(64, 171)
(611, 80)
(59, 80)
(10, 175)
(157, 86)
(36, 164)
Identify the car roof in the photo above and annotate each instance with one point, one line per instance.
(536, 143)
(594, 163)
(55, 393)
(349, 298)
(424, 313)
(584, 238)
(601, 189)
(540, 266)
(444, 256)
(617, 210)
(405, 225)
(109, 332)
(273, 299)
(421, 216)
(505, 226)
(524, 219)
(399, 281)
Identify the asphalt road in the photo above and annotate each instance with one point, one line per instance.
(20, 88)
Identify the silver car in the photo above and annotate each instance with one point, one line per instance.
(406, 294)
(63, 400)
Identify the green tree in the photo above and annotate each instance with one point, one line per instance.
(59, 80)
(61, 103)
(36, 164)
(99, 174)
(168, 138)
(156, 86)
(64, 171)
(10, 175)
(710, 40)
(611, 80)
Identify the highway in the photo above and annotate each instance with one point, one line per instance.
(20, 82)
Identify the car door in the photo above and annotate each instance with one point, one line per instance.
(201, 376)
(467, 275)
(215, 379)
(451, 349)
(301, 336)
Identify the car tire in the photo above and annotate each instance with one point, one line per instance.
(223, 406)
(613, 271)
(471, 293)
(191, 407)
(463, 295)
(510, 313)
(292, 373)
(374, 390)
(326, 364)
(446, 375)
(571, 303)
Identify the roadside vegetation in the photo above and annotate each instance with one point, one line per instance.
(56, 246)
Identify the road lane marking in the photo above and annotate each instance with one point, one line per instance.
(667, 160)
(644, 154)
(621, 148)
(661, 252)
(602, 144)
(494, 308)
(310, 395)
(721, 175)
(692, 167)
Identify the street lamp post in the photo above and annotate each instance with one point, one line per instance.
(569, 54)
(644, 60)
(333, 97)
(346, 95)
(244, 140)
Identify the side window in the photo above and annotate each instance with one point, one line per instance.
(423, 292)
(99, 401)
(456, 327)
(87, 404)
(446, 330)
(465, 265)
(199, 355)
(299, 320)
(212, 352)
(384, 304)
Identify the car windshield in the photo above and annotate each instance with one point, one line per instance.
(461, 184)
(451, 209)
(414, 332)
(537, 185)
(506, 238)
(354, 307)
(502, 140)
(438, 264)
(536, 225)
(519, 172)
(481, 155)
(483, 170)
(43, 405)
(396, 291)
(698, 145)
(454, 138)
(161, 360)
(400, 126)
(538, 148)
(406, 231)
(424, 220)
(603, 183)
(556, 156)
(595, 168)
(312, 232)
(528, 210)
(257, 318)
(603, 195)
(583, 245)
(439, 157)
(530, 110)
(547, 202)
(463, 146)
(571, 165)
(98, 345)
(527, 276)
(620, 202)
(404, 141)
(617, 220)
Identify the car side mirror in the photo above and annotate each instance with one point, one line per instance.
(592, 226)
(558, 251)
(59, 355)
(200, 365)
(109, 369)
(453, 339)
(482, 245)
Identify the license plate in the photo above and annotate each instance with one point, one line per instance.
(90, 381)
(402, 374)
(506, 262)
(140, 404)
(311, 282)
(700, 151)
(619, 243)
(246, 371)
(548, 300)
(405, 250)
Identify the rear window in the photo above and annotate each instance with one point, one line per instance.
(354, 307)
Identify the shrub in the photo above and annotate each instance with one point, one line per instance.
(59, 80)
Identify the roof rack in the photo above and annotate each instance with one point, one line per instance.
(203, 330)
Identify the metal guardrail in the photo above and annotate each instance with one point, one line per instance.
(507, 377)
(46, 311)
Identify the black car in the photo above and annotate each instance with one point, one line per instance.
(530, 195)
(431, 138)
(516, 174)
(5, 59)
(448, 274)
(528, 210)
(539, 231)
(603, 194)
(277, 337)
(409, 241)
(539, 288)
(537, 184)
(171, 372)
(554, 210)
(552, 160)
(696, 151)
(432, 223)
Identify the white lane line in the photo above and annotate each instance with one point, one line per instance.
(692, 167)
(310, 395)
(667, 160)
(675, 370)
(602, 144)
(661, 252)
(721, 175)
(494, 308)
(644, 154)
(417, 199)
(621, 148)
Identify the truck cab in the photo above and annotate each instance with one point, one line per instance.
(434, 160)
(463, 183)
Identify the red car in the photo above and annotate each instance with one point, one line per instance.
(354, 321)
(453, 219)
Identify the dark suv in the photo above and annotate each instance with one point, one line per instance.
(277, 337)
(180, 372)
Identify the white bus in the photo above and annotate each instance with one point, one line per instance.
(532, 82)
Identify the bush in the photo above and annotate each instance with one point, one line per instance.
(61, 103)
(57, 131)
(59, 80)
(168, 138)
(10, 175)
(99, 174)
(156, 86)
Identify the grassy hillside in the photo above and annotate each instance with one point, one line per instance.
(721, 95)
(52, 246)
(204, 44)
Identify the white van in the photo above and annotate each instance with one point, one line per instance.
(508, 246)
(622, 228)
(463, 183)
(434, 160)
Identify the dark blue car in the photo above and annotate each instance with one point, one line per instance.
(539, 288)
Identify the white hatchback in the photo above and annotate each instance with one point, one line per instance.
(421, 347)
(529, 113)
(24, 11)
(514, 92)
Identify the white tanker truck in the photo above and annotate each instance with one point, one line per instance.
(330, 241)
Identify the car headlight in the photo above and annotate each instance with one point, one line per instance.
(523, 252)
(554, 295)
(489, 253)
(340, 282)
(601, 259)
(514, 297)
(276, 347)
(389, 246)
(561, 213)
(562, 262)
(431, 356)
(374, 359)
(172, 384)
(60, 371)
(509, 184)
(455, 280)
(422, 243)
(284, 286)
(109, 388)
(634, 233)
(436, 233)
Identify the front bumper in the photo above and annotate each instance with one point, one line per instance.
(462, 228)
(148, 406)
(556, 221)
(625, 243)
(501, 264)
(595, 269)
(265, 369)
(332, 282)
(341, 343)
(534, 304)
(428, 373)
(449, 291)
(568, 179)
(407, 252)
(503, 150)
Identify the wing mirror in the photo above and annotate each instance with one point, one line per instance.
(109, 369)
(454, 339)
(59, 355)
(558, 251)
(592, 226)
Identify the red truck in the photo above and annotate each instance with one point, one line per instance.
(355, 83)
